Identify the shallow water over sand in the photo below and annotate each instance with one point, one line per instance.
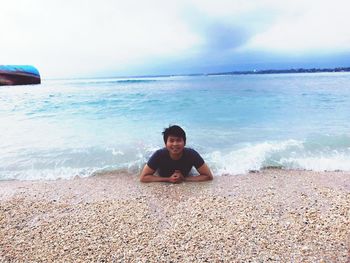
(65, 128)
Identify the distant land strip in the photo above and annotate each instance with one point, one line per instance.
(247, 72)
(279, 71)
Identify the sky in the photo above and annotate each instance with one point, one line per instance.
(102, 38)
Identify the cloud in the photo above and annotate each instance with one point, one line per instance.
(82, 36)
(270, 34)
(224, 37)
(319, 26)
(116, 37)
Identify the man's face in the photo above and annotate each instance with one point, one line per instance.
(175, 145)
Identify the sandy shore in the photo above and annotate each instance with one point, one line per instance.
(271, 216)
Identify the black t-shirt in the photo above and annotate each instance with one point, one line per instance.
(166, 166)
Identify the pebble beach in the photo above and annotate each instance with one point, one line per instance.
(269, 216)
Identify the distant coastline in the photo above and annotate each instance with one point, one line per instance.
(243, 72)
(251, 72)
(280, 71)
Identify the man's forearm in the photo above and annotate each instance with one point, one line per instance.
(198, 178)
(153, 178)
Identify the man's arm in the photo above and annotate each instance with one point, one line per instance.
(147, 176)
(204, 175)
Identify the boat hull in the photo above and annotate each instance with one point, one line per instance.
(19, 75)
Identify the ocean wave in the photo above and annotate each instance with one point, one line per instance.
(68, 163)
(317, 153)
(318, 163)
(48, 174)
(250, 157)
(113, 81)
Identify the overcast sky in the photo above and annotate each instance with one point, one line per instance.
(128, 37)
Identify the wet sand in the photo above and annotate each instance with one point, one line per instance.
(270, 216)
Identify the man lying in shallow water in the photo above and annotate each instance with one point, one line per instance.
(175, 161)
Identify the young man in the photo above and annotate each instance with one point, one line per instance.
(175, 161)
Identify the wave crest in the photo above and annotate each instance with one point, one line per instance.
(318, 153)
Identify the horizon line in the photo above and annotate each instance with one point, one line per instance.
(238, 72)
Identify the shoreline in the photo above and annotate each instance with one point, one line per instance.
(273, 215)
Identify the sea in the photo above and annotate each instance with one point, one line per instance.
(68, 128)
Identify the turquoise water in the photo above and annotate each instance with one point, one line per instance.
(65, 128)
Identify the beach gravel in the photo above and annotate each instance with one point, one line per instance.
(270, 216)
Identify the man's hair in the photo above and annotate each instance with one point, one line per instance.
(174, 130)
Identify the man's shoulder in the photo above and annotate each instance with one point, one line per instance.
(161, 152)
(194, 157)
(190, 151)
(157, 158)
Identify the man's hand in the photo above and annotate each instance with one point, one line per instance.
(176, 177)
(147, 176)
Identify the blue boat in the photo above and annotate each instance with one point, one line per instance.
(19, 75)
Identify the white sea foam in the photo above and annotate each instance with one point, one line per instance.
(290, 154)
(319, 163)
(48, 174)
(249, 157)
(316, 153)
